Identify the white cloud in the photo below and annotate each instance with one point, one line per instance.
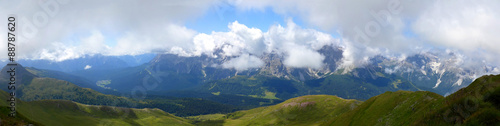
(367, 28)
(204, 44)
(93, 44)
(244, 62)
(469, 26)
(77, 28)
(240, 39)
(357, 55)
(389, 71)
(464, 27)
(87, 67)
(495, 70)
(412, 26)
(137, 26)
(59, 52)
(298, 44)
(161, 40)
(279, 36)
(301, 57)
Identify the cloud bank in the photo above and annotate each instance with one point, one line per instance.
(65, 29)
(399, 26)
(61, 30)
(298, 45)
(244, 62)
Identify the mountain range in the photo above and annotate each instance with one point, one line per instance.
(97, 61)
(170, 72)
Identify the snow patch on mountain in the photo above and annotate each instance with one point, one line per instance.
(440, 76)
(87, 67)
(438, 82)
(435, 66)
(459, 82)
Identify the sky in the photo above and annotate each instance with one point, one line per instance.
(59, 30)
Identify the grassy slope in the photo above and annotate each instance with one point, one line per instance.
(18, 120)
(49, 88)
(79, 81)
(390, 108)
(57, 112)
(306, 110)
(471, 106)
(62, 112)
(477, 104)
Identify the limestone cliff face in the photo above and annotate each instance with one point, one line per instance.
(427, 71)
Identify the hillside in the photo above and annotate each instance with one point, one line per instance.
(477, 104)
(62, 112)
(390, 108)
(31, 87)
(77, 80)
(5, 119)
(306, 110)
(57, 112)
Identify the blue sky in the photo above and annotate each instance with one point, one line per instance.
(217, 19)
